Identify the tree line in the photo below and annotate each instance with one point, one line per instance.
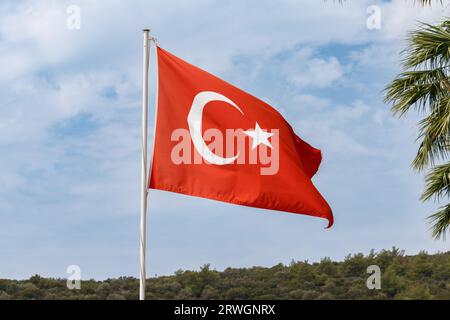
(421, 276)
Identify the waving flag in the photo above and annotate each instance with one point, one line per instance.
(215, 141)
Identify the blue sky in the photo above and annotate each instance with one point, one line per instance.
(70, 133)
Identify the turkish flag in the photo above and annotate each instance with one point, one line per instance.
(213, 140)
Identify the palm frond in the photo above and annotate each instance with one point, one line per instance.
(416, 89)
(424, 86)
(429, 45)
(434, 135)
(440, 222)
(437, 183)
(426, 2)
(420, 2)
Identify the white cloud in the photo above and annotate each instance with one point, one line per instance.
(336, 129)
(353, 112)
(318, 73)
(398, 17)
(307, 100)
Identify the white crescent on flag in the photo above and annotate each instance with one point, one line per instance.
(195, 125)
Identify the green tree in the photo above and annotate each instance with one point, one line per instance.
(422, 276)
(424, 87)
(29, 291)
(4, 296)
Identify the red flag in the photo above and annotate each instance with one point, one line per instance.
(215, 141)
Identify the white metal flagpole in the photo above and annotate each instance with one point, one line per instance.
(144, 174)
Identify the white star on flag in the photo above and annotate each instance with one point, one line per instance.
(259, 136)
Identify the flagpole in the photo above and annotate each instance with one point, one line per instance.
(144, 191)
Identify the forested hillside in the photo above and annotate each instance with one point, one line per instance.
(422, 276)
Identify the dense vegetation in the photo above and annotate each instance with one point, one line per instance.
(422, 276)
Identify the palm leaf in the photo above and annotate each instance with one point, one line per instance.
(424, 87)
(437, 183)
(440, 222)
